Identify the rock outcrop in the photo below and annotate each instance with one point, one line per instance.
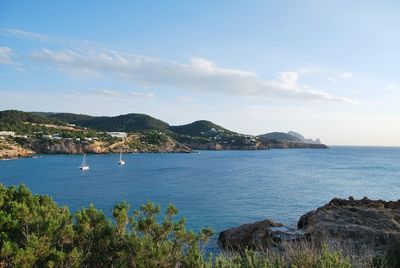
(23, 147)
(129, 145)
(371, 223)
(259, 235)
(365, 223)
(10, 149)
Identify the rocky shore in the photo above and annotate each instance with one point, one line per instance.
(128, 145)
(257, 146)
(10, 148)
(364, 223)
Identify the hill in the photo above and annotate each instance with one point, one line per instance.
(53, 132)
(200, 128)
(301, 137)
(23, 122)
(278, 136)
(125, 123)
(14, 116)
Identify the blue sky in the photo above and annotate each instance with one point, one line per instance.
(327, 69)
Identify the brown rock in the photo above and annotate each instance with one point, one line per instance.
(10, 149)
(371, 223)
(258, 236)
(356, 224)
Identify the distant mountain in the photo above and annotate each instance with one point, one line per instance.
(296, 134)
(124, 123)
(279, 136)
(291, 136)
(301, 137)
(200, 128)
(200, 134)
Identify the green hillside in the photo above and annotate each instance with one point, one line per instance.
(202, 131)
(200, 128)
(125, 123)
(13, 120)
(14, 116)
(66, 117)
(278, 136)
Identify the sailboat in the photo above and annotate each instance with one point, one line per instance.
(121, 162)
(84, 166)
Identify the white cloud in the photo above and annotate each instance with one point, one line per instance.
(197, 75)
(346, 75)
(105, 92)
(20, 34)
(25, 35)
(142, 95)
(6, 55)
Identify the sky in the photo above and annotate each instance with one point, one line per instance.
(326, 69)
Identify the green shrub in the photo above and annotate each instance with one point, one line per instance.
(35, 232)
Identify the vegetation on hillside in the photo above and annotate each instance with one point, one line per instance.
(40, 126)
(16, 121)
(200, 128)
(279, 136)
(36, 232)
(14, 116)
(122, 123)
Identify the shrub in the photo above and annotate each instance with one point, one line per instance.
(35, 232)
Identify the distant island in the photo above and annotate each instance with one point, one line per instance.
(27, 133)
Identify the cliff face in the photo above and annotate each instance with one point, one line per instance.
(10, 149)
(131, 144)
(67, 147)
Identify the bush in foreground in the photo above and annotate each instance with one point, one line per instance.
(36, 232)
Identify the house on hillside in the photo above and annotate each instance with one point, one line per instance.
(118, 134)
(7, 133)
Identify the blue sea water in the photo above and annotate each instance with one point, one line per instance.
(220, 189)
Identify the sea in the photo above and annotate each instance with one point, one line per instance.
(217, 189)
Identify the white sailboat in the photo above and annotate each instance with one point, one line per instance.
(121, 162)
(84, 166)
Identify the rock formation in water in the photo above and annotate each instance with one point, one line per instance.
(374, 224)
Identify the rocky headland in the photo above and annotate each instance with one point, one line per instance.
(131, 144)
(27, 133)
(364, 223)
(10, 150)
(26, 147)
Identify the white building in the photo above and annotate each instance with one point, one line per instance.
(7, 133)
(118, 134)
